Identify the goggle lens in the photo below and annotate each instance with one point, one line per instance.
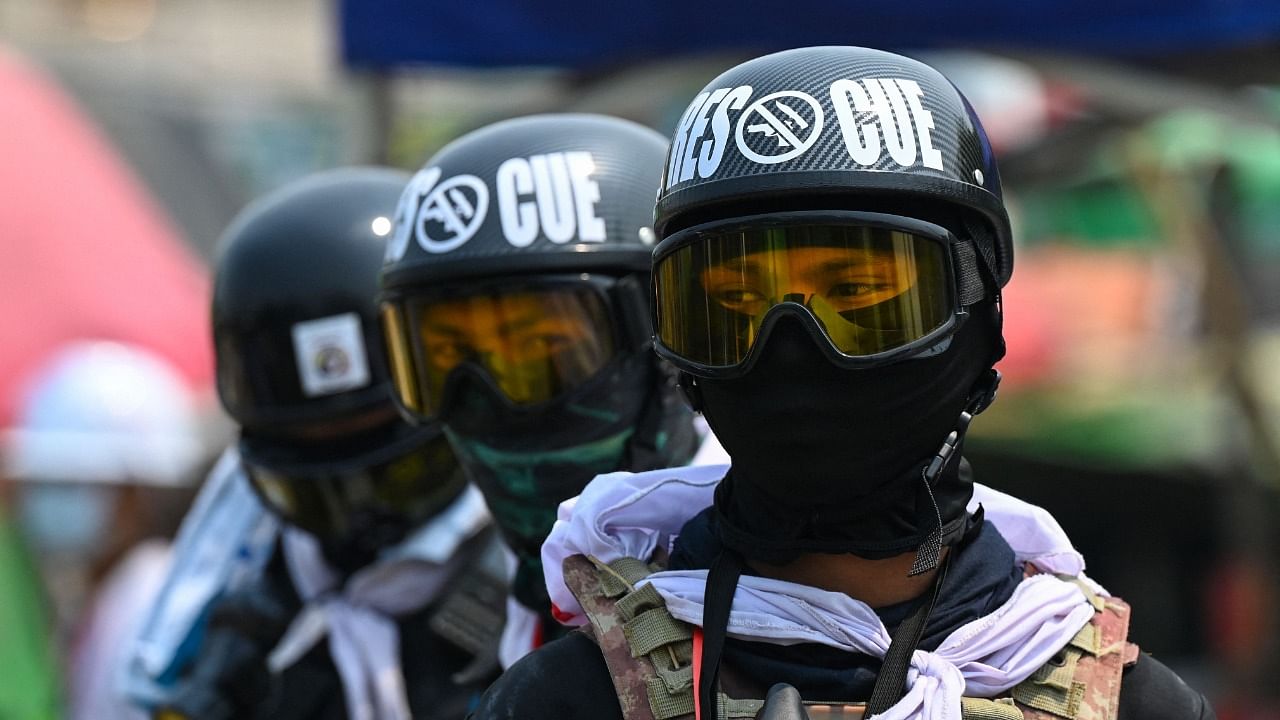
(413, 486)
(535, 343)
(870, 289)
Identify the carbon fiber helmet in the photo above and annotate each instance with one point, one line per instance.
(518, 202)
(516, 306)
(537, 194)
(301, 366)
(837, 126)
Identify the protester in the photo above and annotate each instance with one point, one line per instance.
(382, 548)
(516, 296)
(831, 246)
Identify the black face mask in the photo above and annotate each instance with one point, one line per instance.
(369, 533)
(527, 461)
(831, 460)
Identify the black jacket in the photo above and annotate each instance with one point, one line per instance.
(568, 678)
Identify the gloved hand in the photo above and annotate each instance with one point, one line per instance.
(229, 675)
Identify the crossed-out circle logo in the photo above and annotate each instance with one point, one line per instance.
(407, 209)
(779, 127)
(451, 213)
(442, 217)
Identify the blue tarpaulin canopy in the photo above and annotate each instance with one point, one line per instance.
(593, 33)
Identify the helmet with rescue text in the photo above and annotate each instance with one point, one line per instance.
(516, 306)
(301, 368)
(832, 241)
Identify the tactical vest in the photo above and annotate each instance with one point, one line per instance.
(649, 654)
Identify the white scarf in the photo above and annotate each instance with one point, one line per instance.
(631, 515)
(360, 616)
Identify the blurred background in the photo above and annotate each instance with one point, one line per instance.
(1140, 148)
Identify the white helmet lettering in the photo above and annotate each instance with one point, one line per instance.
(878, 115)
(554, 195)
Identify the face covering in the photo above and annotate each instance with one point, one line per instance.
(66, 518)
(830, 460)
(527, 461)
(368, 533)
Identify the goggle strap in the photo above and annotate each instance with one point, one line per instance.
(631, 297)
(969, 285)
(981, 234)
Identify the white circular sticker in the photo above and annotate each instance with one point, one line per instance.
(451, 213)
(779, 127)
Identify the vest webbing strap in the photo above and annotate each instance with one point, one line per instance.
(648, 652)
(984, 709)
(1082, 682)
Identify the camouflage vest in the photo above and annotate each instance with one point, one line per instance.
(649, 654)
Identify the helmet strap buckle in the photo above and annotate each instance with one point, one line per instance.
(983, 394)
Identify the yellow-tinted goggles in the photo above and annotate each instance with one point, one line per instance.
(535, 343)
(874, 286)
(411, 479)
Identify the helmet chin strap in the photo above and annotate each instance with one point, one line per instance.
(891, 682)
(980, 398)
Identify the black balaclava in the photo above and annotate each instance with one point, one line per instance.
(830, 460)
(526, 462)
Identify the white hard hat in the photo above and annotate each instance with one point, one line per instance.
(105, 412)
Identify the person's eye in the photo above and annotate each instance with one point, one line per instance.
(446, 353)
(855, 289)
(736, 297)
(547, 343)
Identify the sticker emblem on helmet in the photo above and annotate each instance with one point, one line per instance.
(407, 209)
(885, 115)
(779, 127)
(553, 195)
(451, 213)
(330, 354)
(440, 217)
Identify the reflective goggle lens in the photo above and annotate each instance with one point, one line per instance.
(535, 343)
(870, 289)
(414, 486)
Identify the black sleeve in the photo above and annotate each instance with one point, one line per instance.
(1151, 691)
(565, 679)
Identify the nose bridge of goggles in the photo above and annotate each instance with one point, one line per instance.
(871, 288)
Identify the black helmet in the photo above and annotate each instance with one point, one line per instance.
(871, 152)
(300, 363)
(813, 125)
(547, 201)
(516, 305)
